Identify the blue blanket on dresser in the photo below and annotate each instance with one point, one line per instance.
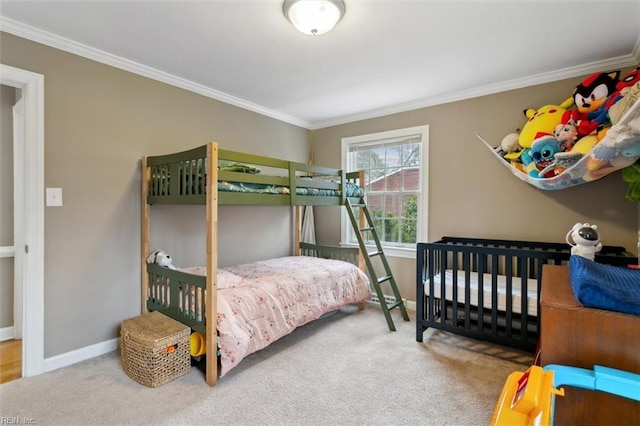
(603, 286)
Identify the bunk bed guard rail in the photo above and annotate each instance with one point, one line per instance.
(181, 179)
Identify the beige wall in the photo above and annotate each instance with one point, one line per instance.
(7, 100)
(471, 195)
(99, 122)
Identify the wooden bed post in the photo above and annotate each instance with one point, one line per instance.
(299, 215)
(298, 231)
(211, 302)
(146, 176)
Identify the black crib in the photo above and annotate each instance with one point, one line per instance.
(476, 287)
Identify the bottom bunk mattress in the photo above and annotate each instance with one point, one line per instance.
(260, 302)
(458, 279)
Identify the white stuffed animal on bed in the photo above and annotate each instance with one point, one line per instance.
(161, 258)
(586, 240)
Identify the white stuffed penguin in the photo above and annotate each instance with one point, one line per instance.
(161, 258)
(586, 240)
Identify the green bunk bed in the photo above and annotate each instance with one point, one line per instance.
(211, 176)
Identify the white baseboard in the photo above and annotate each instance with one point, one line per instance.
(81, 354)
(88, 352)
(6, 333)
(409, 304)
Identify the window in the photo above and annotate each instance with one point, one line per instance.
(395, 164)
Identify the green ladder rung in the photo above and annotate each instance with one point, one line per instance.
(394, 304)
(371, 228)
(383, 279)
(375, 253)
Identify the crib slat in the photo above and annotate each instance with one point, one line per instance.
(524, 289)
(454, 287)
(420, 293)
(466, 265)
(481, 269)
(443, 289)
(494, 295)
(508, 271)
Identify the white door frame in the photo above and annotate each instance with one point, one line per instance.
(19, 124)
(29, 215)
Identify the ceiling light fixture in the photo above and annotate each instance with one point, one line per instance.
(313, 17)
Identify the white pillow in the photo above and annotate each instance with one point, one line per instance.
(226, 279)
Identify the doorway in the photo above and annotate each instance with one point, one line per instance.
(8, 327)
(27, 247)
(10, 318)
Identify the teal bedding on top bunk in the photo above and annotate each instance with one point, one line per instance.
(192, 181)
(238, 167)
(352, 189)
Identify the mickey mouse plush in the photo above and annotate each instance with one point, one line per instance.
(586, 240)
(161, 258)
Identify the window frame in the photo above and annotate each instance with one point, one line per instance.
(423, 197)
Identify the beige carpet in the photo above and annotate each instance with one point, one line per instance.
(347, 369)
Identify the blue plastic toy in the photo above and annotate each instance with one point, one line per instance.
(528, 398)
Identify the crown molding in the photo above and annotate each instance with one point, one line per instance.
(43, 37)
(624, 61)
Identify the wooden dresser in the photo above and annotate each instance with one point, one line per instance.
(577, 336)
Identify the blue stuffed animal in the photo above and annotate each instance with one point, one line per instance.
(542, 155)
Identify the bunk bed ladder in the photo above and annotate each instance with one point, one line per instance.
(376, 280)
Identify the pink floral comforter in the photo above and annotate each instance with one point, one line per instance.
(263, 301)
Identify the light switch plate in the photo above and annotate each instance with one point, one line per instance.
(54, 197)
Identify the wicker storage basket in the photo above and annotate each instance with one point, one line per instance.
(154, 349)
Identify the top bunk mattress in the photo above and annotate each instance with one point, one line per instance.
(352, 190)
